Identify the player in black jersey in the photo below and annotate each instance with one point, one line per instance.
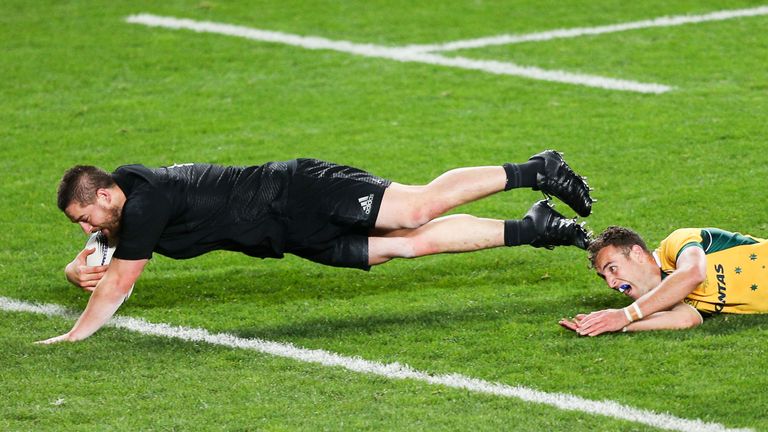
(331, 214)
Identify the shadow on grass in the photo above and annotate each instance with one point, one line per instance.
(452, 318)
(725, 324)
(378, 323)
(280, 282)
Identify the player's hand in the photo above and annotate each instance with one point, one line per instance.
(609, 320)
(572, 324)
(53, 340)
(83, 276)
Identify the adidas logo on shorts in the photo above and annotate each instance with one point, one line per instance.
(366, 202)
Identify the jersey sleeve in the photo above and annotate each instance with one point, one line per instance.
(672, 246)
(145, 216)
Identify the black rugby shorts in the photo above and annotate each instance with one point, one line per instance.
(330, 210)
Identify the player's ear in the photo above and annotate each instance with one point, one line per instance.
(104, 194)
(637, 252)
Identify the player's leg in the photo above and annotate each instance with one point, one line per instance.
(405, 206)
(542, 226)
(448, 234)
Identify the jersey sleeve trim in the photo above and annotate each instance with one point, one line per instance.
(715, 240)
(686, 246)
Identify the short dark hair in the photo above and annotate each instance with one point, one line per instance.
(620, 237)
(80, 183)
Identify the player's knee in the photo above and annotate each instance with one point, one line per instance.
(419, 246)
(416, 218)
(410, 206)
(421, 214)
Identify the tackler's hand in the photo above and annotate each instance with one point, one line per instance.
(573, 323)
(608, 320)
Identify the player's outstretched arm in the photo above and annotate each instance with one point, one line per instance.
(105, 300)
(79, 274)
(681, 316)
(691, 271)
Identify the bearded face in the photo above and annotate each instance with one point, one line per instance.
(99, 216)
(111, 225)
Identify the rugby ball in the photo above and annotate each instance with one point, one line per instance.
(103, 253)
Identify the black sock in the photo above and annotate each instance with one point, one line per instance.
(519, 232)
(524, 174)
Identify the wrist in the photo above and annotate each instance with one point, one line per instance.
(633, 313)
(627, 315)
(69, 337)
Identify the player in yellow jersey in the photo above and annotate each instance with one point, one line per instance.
(695, 272)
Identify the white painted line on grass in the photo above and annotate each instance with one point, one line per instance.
(388, 370)
(666, 21)
(397, 54)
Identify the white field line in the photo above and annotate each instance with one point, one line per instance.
(666, 21)
(391, 370)
(397, 54)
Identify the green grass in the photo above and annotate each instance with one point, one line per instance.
(78, 85)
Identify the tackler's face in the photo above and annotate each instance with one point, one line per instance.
(101, 215)
(624, 270)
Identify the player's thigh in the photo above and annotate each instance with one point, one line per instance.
(402, 206)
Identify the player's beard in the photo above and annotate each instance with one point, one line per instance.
(112, 225)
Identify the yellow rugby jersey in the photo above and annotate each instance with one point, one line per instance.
(737, 278)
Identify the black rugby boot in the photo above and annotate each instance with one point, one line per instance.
(553, 229)
(558, 179)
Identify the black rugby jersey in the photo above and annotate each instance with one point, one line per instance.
(187, 210)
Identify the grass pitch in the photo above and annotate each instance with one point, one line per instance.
(79, 85)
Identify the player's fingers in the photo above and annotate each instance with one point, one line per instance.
(85, 252)
(592, 318)
(91, 272)
(91, 277)
(84, 284)
(50, 341)
(94, 269)
(599, 328)
(588, 325)
(89, 280)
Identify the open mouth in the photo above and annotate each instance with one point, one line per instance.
(624, 288)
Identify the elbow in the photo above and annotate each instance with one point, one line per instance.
(692, 321)
(700, 275)
(696, 275)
